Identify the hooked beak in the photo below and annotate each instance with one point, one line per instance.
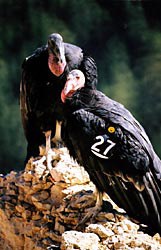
(56, 60)
(68, 90)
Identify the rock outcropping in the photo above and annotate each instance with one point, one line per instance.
(40, 210)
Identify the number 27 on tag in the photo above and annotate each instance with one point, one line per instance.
(100, 141)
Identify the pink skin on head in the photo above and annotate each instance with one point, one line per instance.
(57, 68)
(75, 81)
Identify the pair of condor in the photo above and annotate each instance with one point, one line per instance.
(101, 134)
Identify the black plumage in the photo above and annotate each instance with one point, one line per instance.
(104, 137)
(43, 77)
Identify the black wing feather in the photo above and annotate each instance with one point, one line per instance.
(131, 175)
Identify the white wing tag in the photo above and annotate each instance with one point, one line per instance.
(100, 141)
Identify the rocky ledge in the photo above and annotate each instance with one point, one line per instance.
(40, 209)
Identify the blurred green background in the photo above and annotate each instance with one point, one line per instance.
(124, 38)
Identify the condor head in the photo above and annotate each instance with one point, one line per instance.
(56, 59)
(75, 81)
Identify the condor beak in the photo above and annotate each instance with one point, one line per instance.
(68, 90)
(57, 49)
(56, 60)
(63, 96)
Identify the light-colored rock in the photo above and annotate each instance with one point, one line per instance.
(100, 230)
(69, 174)
(77, 240)
(118, 230)
(130, 225)
(157, 238)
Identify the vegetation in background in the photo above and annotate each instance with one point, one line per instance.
(124, 37)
